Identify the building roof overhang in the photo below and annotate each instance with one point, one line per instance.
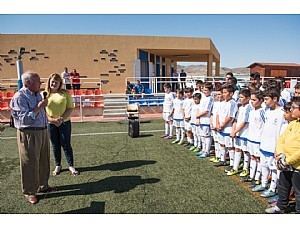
(273, 64)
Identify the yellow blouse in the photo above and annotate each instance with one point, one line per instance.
(289, 143)
(58, 103)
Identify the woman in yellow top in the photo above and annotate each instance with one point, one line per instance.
(59, 108)
(288, 144)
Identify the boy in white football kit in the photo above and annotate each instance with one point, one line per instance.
(187, 108)
(255, 127)
(177, 116)
(167, 109)
(274, 119)
(206, 105)
(239, 133)
(213, 122)
(225, 117)
(195, 123)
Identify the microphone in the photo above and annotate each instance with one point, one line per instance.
(45, 94)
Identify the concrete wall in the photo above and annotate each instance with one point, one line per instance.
(105, 57)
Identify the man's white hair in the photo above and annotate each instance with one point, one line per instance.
(27, 76)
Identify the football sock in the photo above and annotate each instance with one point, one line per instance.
(166, 129)
(265, 172)
(274, 180)
(237, 159)
(207, 144)
(182, 134)
(231, 157)
(217, 149)
(246, 160)
(177, 133)
(195, 141)
(253, 165)
(199, 145)
(171, 129)
(203, 143)
(222, 154)
(258, 171)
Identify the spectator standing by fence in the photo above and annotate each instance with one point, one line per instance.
(183, 79)
(174, 80)
(129, 88)
(75, 79)
(66, 77)
(139, 87)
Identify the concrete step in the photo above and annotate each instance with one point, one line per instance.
(114, 111)
(115, 107)
(109, 115)
(119, 103)
(115, 95)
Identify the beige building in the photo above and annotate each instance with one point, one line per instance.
(106, 61)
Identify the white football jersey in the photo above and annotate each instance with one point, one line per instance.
(206, 104)
(194, 112)
(271, 131)
(177, 106)
(227, 109)
(256, 123)
(168, 102)
(243, 116)
(187, 106)
(215, 111)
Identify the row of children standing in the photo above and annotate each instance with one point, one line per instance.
(243, 123)
(189, 116)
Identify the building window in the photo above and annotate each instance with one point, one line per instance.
(103, 52)
(143, 55)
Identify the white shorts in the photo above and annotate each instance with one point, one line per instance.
(178, 123)
(253, 149)
(166, 116)
(187, 126)
(215, 135)
(225, 140)
(195, 130)
(240, 144)
(205, 131)
(268, 161)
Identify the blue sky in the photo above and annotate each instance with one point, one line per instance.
(241, 39)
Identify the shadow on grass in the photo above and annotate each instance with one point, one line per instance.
(144, 135)
(117, 166)
(95, 208)
(141, 121)
(117, 184)
(145, 121)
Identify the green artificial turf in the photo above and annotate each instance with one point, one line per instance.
(123, 175)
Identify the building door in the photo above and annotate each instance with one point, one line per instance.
(143, 56)
(145, 74)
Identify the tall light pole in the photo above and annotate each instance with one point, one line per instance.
(20, 67)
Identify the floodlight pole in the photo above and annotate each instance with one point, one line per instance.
(19, 64)
(20, 72)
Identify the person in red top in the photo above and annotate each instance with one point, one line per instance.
(75, 79)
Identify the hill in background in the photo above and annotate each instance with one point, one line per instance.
(199, 70)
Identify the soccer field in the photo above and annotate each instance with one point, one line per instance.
(123, 175)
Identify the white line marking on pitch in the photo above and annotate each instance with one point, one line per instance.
(99, 133)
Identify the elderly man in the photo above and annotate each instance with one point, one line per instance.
(28, 111)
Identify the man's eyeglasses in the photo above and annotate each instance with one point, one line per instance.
(294, 108)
